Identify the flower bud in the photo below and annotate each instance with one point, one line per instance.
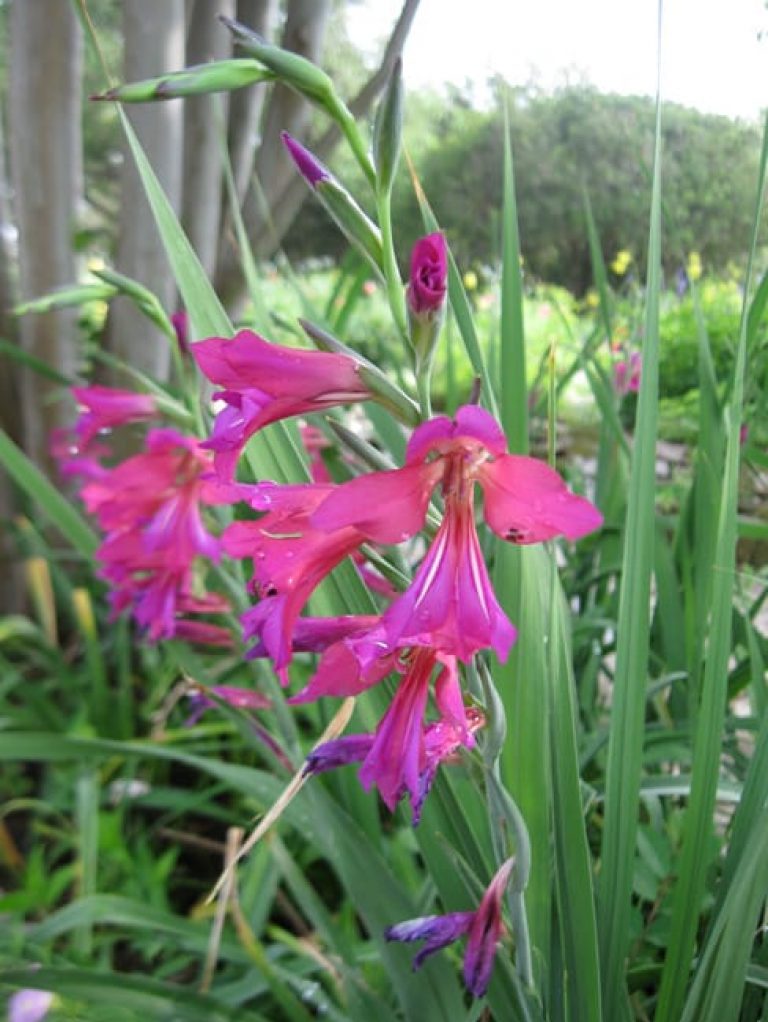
(339, 204)
(310, 168)
(426, 294)
(429, 269)
(200, 80)
(387, 132)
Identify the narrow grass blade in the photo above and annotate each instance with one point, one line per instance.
(513, 390)
(126, 913)
(432, 994)
(50, 501)
(629, 691)
(87, 820)
(579, 982)
(525, 761)
(271, 454)
(205, 310)
(22, 357)
(598, 270)
(147, 997)
(709, 724)
(718, 988)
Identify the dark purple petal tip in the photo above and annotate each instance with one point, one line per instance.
(311, 169)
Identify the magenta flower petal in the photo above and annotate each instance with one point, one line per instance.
(428, 437)
(436, 931)
(338, 752)
(484, 933)
(348, 668)
(448, 697)
(429, 270)
(311, 169)
(387, 507)
(180, 324)
(107, 407)
(266, 382)
(471, 424)
(450, 604)
(316, 634)
(526, 501)
(241, 698)
(149, 508)
(483, 929)
(627, 374)
(202, 632)
(395, 760)
(474, 421)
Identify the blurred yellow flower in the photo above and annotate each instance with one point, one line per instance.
(470, 280)
(693, 268)
(99, 311)
(621, 262)
(591, 299)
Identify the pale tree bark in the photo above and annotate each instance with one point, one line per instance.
(304, 32)
(284, 190)
(154, 37)
(204, 126)
(246, 105)
(46, 54)
(11, 588)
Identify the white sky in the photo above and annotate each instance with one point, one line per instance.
(712, 57)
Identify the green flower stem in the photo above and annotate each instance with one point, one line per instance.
(351, 131)
(395, 292)
(424, 390)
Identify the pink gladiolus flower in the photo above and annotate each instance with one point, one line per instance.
(429, 269)
(266, 382)
(403, 755)
(483, 929)
(107, 407)
(75, 460)
(450, 604)
(149, 508)
(626, 374)
(290, 559)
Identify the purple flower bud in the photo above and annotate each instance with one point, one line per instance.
(311, 169)
(483, 929)
(338, 752)
(429, 269)
(437, 932)
(180, 324)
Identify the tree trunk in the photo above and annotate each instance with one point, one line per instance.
(303, 33)
(246, 105)
(154, 42)
(204, 124)
(12, 589)
(46, 56)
